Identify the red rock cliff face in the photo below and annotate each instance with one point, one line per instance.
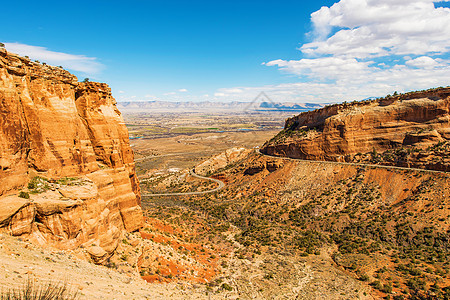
(338, 132)
(72, 135)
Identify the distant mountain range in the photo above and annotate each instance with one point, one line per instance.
(209, 106)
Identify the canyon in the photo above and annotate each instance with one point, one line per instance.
(316, 213)
(350, 201)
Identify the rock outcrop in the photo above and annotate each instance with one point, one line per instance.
(339, 132)
(64, 146)
(222, 160)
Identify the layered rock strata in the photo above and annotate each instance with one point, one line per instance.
(71, 137)
(417, 120)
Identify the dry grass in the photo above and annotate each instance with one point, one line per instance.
(39, 291)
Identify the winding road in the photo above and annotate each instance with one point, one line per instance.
(222, 184)
(191, 172)
(356, 164)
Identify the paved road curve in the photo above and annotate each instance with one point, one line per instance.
(221, 186)
(356, 164)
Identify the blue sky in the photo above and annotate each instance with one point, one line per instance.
(302, 51)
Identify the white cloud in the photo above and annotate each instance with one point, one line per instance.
(349, 87)
(376, 28)
(183, 90)
(425, 62)
(80, 63)
(323, 68)
(363, 48)
(235, 90)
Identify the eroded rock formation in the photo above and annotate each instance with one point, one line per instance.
(72, 138)
(221, 160)
(339, 132)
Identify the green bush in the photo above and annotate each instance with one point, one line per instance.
(38, 185)
(24, 195)
(386, 288)
(364, 277)
(67, 181)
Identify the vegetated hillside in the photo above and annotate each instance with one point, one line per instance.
(67, 176)
(387, 228)
(411, 129)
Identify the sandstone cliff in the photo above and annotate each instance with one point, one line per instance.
(417, 120)
(64, 146)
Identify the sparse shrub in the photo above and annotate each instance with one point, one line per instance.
(415, 284)
(67, 181)
(226, 286)
(364, 277)
(386, 288)
(24, 195)
(36, 291)
(376, 284)
(38, 185)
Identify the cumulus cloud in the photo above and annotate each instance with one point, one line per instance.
(323, 68)
(369, 28)
(425, 62)
(183, 90)
(363, 48)
(80, 63)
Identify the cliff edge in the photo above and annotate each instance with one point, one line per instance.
(67, 176)
(410, 130)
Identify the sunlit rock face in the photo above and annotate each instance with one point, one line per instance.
(72, 135)
(338, 132)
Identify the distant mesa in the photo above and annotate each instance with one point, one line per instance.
(288, 106)
(210, 106)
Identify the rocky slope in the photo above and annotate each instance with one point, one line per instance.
(387, 228)
(21, 261)
(221, 160)
(67, 174)
(416, 120)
